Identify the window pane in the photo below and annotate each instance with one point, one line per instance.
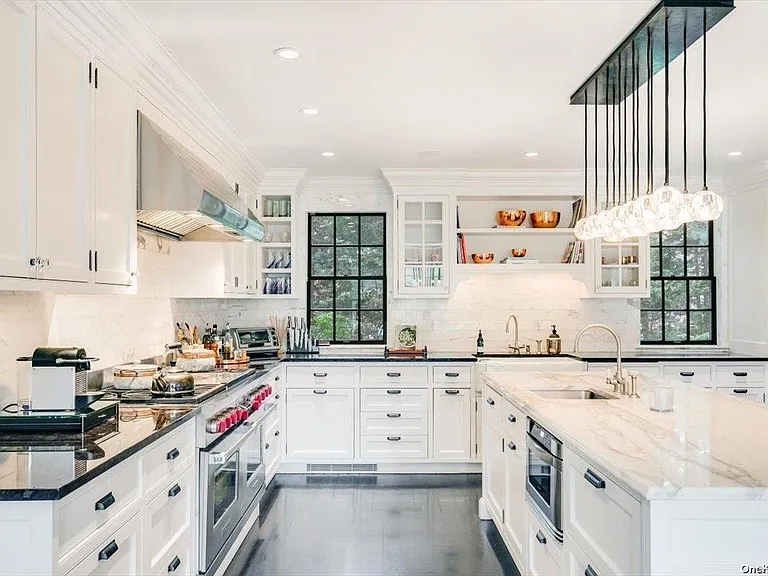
(698, 261)
(322, 325)
(371, 261)
(701, 326)
(346, 261)
(654, 302)
(676, 326)
(672, 263)
(322, 261)
(698, 234)
(346, 294)
(700, 297)
(322, 230)
(672, 237)
(655, 239)
(321, 294)
(372, 230)
(372, 326)
(650, 326)
(655, 262)
(346, 230)
(372, 294)
(346, 326)
(674, 294)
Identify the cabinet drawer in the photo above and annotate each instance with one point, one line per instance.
(394, 374)
(544, 551)
(452, 375)
(167, 458)
(393, 447)
(326, 376)
(493, 406)
(393, 423)
(116, 555)
(748, 393)
(168, 516)
(576, 560)
(397, 399)
(695, 373)
(178, 559)
(727, 374)
(601, 517)
(513, 424)
(83, 512)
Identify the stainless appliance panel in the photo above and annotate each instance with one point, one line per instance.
(544, 477)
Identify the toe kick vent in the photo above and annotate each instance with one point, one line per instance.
(340, 468)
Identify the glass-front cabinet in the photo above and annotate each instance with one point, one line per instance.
(422, 245)
(622, 269)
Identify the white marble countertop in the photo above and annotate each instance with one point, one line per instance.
(711, 446)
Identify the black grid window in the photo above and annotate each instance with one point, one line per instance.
(681, 309)
(347, 286)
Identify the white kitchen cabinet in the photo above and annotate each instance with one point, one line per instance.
(622, 269)
(167, 517)
(494, 466)
(114, 154)
(64, 185)
(422, 246)
(748, 393)
(544, 553)
(514, 500)
(235, 265)
(451, 416)
(118, 554)
(320, 424)
(17, 139)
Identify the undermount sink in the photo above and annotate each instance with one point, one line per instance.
(571, 395)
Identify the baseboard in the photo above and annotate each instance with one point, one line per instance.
(387, 468)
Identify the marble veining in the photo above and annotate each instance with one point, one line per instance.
(710, 446)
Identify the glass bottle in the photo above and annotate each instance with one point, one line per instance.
(480, 343)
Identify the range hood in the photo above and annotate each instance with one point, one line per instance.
(181, 197)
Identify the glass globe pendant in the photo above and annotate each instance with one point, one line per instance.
(706, 205)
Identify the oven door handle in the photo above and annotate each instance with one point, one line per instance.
(221, 456)
(542, 454)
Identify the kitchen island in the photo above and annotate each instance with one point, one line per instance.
(641, 492)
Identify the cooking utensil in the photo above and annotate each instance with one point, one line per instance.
(518, 252)
(134, 376)
(173, 382)
(510, 217)
(545, 219)
(482, 257)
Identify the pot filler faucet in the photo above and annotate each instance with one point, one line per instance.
(617, 380)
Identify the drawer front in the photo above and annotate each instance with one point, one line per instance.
(167, 458)
(178, 560)
(393, 447)
(493, 406)
(394, 374)
(748, 393)
(601, 517)
(393, 423)
(168, 516)
(323, 376)
(116, 555)
(694, 373)
(452, 375)
(394, 399)
(83, 512)
(513, 424)
(576, 560)
(739, 374)
(271, 446)
(544, 552)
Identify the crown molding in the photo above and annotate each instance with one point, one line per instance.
(286, 180)
(360, 185)
(749, 179)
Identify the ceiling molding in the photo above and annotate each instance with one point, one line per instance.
(360, 185)
(283, 180)
(751, 178)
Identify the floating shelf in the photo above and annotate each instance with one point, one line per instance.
(515, 230)
(275, 270)
(276, 219)
(617, 266)
(275, 244)
(512, 268)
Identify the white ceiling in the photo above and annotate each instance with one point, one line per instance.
(480, 81)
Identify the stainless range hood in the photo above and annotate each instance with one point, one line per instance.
(181, 197)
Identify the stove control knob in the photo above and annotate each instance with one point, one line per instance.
(221, 425)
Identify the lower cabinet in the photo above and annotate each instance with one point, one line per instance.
(393, 447)
(118, 554)
(452, 414)
(179, 559)
(545, 553)
(576, 560)
(272, 443)
(514, 500)
(494, 467)
(320, 424)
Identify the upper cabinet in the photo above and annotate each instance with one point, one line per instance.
(422, 245)
(622, 269)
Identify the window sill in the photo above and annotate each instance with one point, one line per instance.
(684, 349)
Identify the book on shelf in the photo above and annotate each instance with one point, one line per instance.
(578, 212)
(568, 253)
(461, 249)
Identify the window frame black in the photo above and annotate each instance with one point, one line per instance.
(359, 277)
(710, 277)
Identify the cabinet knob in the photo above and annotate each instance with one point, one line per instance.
(135, 274)
(393, 415)
(394, 374)
(266, 446)
(451, 374)
(277, 378)
(277, 433)
(740, 390)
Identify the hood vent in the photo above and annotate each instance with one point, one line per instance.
(181, 197)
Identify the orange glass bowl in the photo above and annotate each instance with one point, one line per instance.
(482, 257)
(510, 217)
(545, 219)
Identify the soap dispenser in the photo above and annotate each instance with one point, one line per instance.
(554, 343)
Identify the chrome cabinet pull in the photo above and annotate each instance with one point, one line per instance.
(320, 374)
(594, 479)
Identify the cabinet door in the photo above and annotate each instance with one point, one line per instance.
(115, 178)
(17, 139)
(64, 186)
(514, 499)
(495, 468)
(320, 424)
(235, 268)
(423, 245)
(452, 412)
(623, 268)
(118, 555)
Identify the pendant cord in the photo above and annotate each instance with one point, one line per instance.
(650, 113)
(607, 165)
(634, 123)
(624, 101)
(685, 105)
(586, 152)
(596, 131)
(666, 97)
(704, 97)
(613, 146)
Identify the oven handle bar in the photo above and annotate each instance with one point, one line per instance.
(543, 454)
(237, 439)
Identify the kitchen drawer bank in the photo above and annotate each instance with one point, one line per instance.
(642, 492)
(123, 516)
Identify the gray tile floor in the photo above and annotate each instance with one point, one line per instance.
(408, 525)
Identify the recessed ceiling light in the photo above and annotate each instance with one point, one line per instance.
(530, 154)
(735, 153)
(328, 154)
(287, 53)
(309, 111)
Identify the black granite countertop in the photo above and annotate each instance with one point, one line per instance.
(352, 356)
(48, 466)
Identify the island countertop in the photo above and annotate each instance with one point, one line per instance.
(711, 446)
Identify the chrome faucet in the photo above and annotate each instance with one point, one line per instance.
(514, 348)
(617, 380)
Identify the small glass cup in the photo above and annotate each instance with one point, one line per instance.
(662, 398)
(283, 210)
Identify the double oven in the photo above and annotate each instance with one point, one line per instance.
(544, 477)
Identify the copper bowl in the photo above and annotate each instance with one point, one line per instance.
(510, 217)
(518, 252)
(482, 257)
(545, 219)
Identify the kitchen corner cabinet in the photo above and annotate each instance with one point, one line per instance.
(422, 246)
(622, 269)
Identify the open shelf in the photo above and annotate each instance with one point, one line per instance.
(512, 268)
(276, 219)
(275, 244)
(515, 230)
(275, 270)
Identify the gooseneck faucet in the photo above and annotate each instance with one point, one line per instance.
(617, 380)
(516, 346)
